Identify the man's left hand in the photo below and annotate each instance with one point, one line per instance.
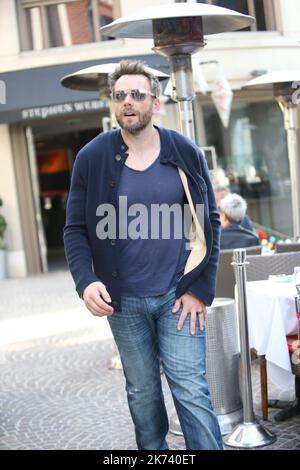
(193, 306)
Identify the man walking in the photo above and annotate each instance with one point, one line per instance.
(152, 288)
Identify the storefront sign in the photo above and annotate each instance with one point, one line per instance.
(45, 112)
(35, 94)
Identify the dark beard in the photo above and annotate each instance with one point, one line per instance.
(136, 128)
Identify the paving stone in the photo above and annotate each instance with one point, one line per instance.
(57, 392)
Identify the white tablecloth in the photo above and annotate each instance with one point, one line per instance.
(272, 316)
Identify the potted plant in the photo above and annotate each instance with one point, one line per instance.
(2, 246)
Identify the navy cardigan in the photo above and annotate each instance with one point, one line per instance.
(95, 179)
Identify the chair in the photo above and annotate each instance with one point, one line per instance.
(225, 275)
(287, 247)
(290, 411)
(258, 269)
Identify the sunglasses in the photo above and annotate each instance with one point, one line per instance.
(138, 94)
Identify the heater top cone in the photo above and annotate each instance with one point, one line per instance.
(215, 19)
(95, 77)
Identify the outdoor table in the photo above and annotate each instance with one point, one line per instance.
(271, 317)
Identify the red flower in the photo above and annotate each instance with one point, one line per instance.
(262, 235)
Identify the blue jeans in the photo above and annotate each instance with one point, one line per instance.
(145, 333)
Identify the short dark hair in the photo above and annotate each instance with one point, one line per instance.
(134, 67)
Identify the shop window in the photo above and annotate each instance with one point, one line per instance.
(252, 158)
(54, 173)
(262, 10)
(57, 23)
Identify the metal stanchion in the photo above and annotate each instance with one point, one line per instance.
(250, 433)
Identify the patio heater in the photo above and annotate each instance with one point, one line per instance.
(285, 84)
(178, 31)
(95, 78)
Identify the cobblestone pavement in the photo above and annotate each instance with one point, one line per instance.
(56, 389)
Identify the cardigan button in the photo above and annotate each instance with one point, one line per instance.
(118, 157)
(114, 274)
(113, 242)
(113, 184)
(114, 304)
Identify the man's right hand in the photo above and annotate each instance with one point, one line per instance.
(96, 299)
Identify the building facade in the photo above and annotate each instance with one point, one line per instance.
(43, 125)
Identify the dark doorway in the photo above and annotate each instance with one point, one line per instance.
(56, 148)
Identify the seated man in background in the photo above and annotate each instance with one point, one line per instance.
(220, 192)
(232, 211)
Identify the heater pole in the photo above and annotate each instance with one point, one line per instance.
(291, 127)
(183, 91)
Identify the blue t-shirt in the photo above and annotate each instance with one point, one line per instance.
(156, 248)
